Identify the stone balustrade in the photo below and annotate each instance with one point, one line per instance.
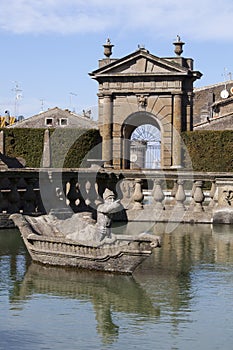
(145, 195)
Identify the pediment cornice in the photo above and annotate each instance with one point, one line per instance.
(140, 62)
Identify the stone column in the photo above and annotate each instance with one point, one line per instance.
(116, 146)
(107, 131)
(189, 112)
(177, 128)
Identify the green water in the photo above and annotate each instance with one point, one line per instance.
(179, 298)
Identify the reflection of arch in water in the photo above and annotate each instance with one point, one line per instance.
(142, 133)
(108, 293)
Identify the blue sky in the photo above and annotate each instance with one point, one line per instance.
(48, 47)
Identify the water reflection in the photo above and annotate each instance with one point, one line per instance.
(223, 239)
(168, 276)
(13, 260)
(162, 292)
(107, 293)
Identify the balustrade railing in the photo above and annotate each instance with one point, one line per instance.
(37, 191)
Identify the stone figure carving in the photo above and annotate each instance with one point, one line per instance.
(223, 214)
(96, 231)
(81, 227)
(142, 101)
(226, 196)
(105, 212)
(81, 242)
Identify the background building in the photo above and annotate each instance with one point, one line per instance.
(56, 118)
(213, 107)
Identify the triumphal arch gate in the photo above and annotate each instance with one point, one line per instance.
(144, 102)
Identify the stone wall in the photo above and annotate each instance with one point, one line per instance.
(217, 123)
(211, 111)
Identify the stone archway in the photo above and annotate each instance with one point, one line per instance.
(145, 147)
(141, 88)
(132, 123)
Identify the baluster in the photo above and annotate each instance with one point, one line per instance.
(90, 194)
(180, 195)
(13, 196)
(72, 194)
(46, 187)
(212, 193)
(138, 195)
(198, 197)
(192, 201)
(158, 195)
(1, 202)
(5, 204)
(126, 190)
(98, 197)
(80, 202)
(4, 185)
(87, 188)
(173, 192)
(29, 198)
(39, 203)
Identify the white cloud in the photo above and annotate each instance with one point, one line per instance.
(200, 20)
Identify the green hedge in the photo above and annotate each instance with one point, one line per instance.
(69, 147)
(26, 144)
(203, 150)
(72, 147)
(209, 150)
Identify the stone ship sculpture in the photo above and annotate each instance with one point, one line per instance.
(82, 242)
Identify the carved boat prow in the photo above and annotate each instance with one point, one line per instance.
(120, 253)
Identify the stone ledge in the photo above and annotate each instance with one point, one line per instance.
(170, 215)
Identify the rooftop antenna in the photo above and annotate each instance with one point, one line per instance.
(18, 97)
(42, 105)
(72, 94)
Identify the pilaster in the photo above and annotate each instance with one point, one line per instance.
(177, 128)
(107, 130)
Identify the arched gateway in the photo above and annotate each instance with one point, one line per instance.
(141, 89)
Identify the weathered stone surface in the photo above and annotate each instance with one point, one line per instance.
(223, 215)
(91, 247)
(138, 89)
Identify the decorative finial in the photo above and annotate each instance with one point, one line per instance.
(178, 46)
(108, 48)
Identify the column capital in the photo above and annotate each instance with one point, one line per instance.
(177, 93)
(107, 95)
(103, 95)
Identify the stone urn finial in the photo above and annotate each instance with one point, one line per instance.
(108, 48)
(178, 46)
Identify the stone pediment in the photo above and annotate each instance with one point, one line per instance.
(140, 62)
